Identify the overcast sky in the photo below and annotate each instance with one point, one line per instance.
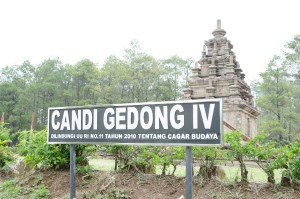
(35, 30)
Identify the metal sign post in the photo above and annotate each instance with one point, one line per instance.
(72, 171)
(189, 173)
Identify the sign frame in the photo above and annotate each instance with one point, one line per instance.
(217, 100)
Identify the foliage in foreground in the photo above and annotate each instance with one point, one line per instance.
(207, 157)
(289, 160)
(267, 155)
(34, 147)
(237, 151)
(11, 189)
(5, 151)
(137, 158)
(264, 154)
(146, 158)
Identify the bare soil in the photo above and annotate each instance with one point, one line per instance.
(150, 186)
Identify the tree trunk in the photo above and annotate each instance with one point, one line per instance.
(244, 172)
(175, 167)
(116, 162)
(285, 181)
(271, 178)
(164, 169)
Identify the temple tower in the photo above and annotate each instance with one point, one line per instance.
(218, 75)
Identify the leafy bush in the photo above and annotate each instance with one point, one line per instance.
(9, 189)
(145, 158)
(33, 145)
(294, 163)
(84, 170)
(289, 160)
(264, 154)
(207, 160)
(268, 155)
(116, 151)
(136, 158)
(5, 151)
(237, 151)
(41, 192)
(170, 156)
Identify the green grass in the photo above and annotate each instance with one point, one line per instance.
(254, 174)
(109, 164)
(180, 170)
(102, 164)
(232, 172)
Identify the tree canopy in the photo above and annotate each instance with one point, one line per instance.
(135, 77)
(278, 94)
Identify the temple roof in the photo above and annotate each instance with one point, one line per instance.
(218, 73)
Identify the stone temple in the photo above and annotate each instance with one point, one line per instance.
(218, 75)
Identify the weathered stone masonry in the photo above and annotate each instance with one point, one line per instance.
(218, 75)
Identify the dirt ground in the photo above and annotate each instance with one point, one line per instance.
(149, 186)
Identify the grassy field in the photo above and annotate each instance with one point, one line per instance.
(102, 164)
(232, 172)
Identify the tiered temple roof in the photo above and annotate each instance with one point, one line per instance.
(218, 75)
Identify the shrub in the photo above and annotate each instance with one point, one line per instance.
(143, 158)
(5, 151)
(33, 145)
(207, 160)
(294, 163)
(9, 189)
(41, 192)
(135, 158)
(289, 160)
(116, 151)
(264, 152)
(237, 151)
(170, 155)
